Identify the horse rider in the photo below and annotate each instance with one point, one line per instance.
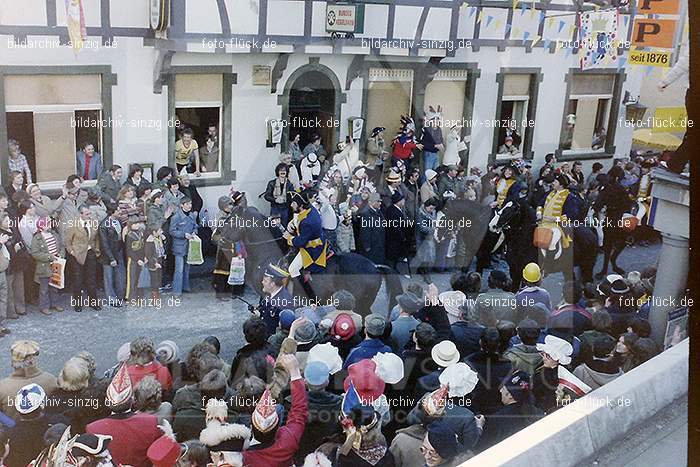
(305, 232)
(509, 175)
(555, 212)
(518, 235)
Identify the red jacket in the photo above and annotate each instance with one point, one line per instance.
(403, 151)
(132, 434)
(161, 373)
(281, 453)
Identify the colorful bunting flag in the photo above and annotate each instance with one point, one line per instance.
(481, 16)
(550, 22)
(508, 26)
(498, 23)
(526, 34)
(546, 43)
(536, 40)
(472, 10)
(561, 25)
(489, 20)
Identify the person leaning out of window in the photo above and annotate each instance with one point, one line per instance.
(187, 152)
(17, 161)
(88, 162)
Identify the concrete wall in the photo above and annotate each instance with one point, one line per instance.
(576, 432)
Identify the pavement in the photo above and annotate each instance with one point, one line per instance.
(187, 322)
(660, 441)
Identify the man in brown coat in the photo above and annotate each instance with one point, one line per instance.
(25, 371)
(83, 248)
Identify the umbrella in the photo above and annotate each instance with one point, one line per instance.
(663, 141)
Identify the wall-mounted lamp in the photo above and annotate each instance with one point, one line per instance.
(634, 111)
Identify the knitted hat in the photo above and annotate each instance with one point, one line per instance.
(518, 385)
(316, 373)
(375, 324)
(287, 317)
(305, 332)
(443, 439)
(343, 327)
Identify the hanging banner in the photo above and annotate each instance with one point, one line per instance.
(598, 38)
(653, 58)
(75, 21)
(654, 33)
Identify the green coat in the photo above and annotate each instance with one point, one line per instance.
(40, 252)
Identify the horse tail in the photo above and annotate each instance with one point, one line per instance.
(392, 281)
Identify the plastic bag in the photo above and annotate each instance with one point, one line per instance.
(236, 274)
(58, 273)
(194, 251)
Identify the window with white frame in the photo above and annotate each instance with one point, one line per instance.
(51, 119)
(588, 113)
(512, 125)
(198, 109)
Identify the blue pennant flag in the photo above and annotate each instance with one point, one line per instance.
(489, 19)
(546, 43)
(542, 15)
(350, 399)
(621, 61)
(561, 25)
(508, 27)
(472, 10)
(526, 34)
(626, 19)
(523, 7)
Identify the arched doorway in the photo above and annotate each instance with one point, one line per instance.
(313, 95)
(312, 109)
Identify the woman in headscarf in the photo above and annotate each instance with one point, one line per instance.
(365, 444)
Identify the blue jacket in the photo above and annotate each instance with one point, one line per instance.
(310, 240)
(270, 308)
(95, 165)
(180, 225)
(368, 348)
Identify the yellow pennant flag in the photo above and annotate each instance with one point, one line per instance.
(481, 16)
(536, 40)
(550, 21)
(517, 31)
(498, 23)
(515, 4)
(533, 12)
(558, 46)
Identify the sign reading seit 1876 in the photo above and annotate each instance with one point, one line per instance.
(340, 18)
